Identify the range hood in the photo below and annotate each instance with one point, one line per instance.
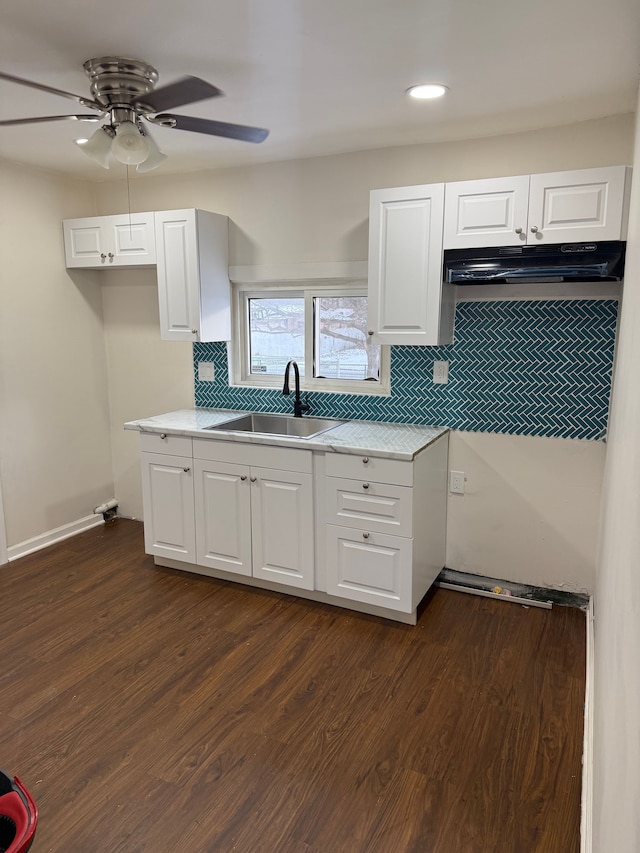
(557, 262)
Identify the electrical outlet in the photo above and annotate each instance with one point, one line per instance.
(456, 482)
(205, 371)
(440, 372)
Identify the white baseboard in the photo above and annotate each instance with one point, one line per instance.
(586, 829)
(43, 540)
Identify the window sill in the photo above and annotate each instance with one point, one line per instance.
(361, 390)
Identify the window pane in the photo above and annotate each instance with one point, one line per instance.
(276, 334)
(341, 343)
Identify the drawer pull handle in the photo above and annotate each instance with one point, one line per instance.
(253, 479)
(365, 485)
(243, 476)
(163, 435)
(186, 470)
(365, 535)
(365, 460)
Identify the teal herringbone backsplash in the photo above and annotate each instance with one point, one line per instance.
(527, 368)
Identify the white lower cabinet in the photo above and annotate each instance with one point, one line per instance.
(370, 567)
(223, 516)
(385, 527)
(255, 521)
(167, 494)
(258, 512)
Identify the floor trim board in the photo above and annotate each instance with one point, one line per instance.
(586, 819)
(50, 537)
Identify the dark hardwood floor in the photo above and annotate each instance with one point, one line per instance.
(150, 710)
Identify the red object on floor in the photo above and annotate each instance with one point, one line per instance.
(18, 816)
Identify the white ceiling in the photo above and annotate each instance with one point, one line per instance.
(326, 76)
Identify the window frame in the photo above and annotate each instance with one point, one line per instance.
(239, 374)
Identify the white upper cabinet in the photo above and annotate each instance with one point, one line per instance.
(486, 213)
(588, 204)
(406, 304)
(557, 207)
(193, 275)
(124, 240)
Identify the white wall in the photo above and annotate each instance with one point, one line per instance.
(147, 376)
(530, 509)
(616, 816)
(317, 210)
(55, 453)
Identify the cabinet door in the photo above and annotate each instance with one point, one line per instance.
(486, 213)
(374, 568)
(405, 265)
(584, 204)
(132, 240)
(282, 527)
(223, 516)
(85, 242)
(178, 275)
(167, 494)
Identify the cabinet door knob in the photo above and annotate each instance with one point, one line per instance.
(518, 230)
(365, 460)
(370, 332)
(253, 479)
(163, 435)
(110, 256)
(365, 485)
(103, 256)
(534, 229)
(243, 476)
(186, 470)
(194, 331)
(365, 535)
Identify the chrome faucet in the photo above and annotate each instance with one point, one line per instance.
(298, 406)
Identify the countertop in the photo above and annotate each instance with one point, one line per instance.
(389, 440)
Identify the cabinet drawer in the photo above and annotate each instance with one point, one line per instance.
(260, 455)
(370, 567)
(363, 467)
(160, 442)
(369, 506)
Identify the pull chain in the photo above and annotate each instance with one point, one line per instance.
(129, 203)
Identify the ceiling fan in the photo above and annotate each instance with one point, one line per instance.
(123, 92)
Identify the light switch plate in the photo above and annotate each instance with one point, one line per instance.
(440, 372)
(205, 371)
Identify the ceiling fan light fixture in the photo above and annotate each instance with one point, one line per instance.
(129, 145)
(427, 91)
(155, 158)
(98, 146)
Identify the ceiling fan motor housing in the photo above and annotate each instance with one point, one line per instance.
(117, 81)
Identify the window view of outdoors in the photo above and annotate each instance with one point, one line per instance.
(341, 349)
(276, 334)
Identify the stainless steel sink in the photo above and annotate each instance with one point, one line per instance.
(277, 425)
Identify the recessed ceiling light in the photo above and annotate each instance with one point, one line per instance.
(426, 91)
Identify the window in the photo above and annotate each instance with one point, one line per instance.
(323, 328)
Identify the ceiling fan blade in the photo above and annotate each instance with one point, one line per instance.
(184, 91)
(86, 102)
(11, 121)
(214, 128)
